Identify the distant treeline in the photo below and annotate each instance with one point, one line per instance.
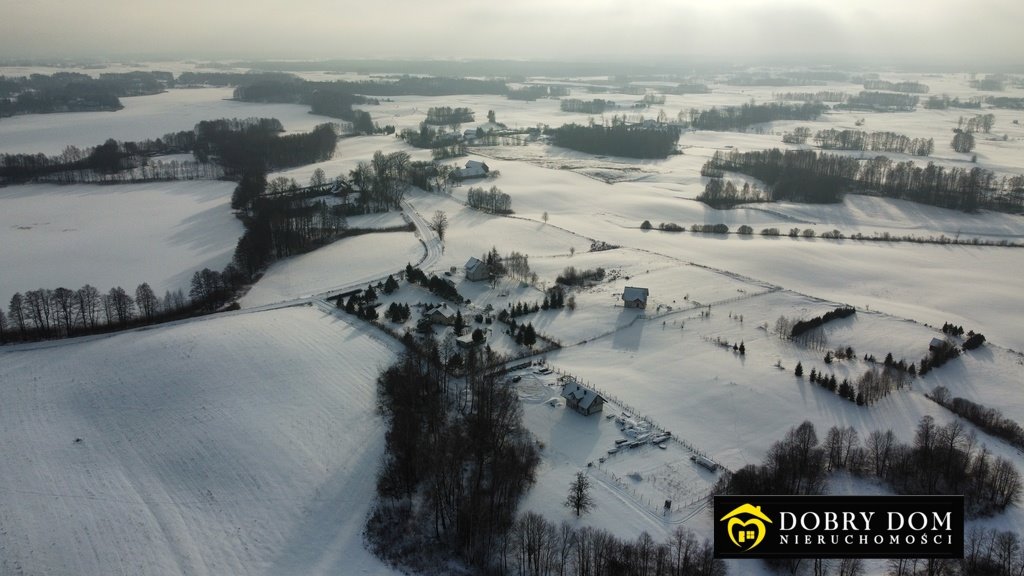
(423, 86)
(1005, 102)
(944, 101)
(98, 163)
(324, 98)
(595, 106)
(833, 139)
(76, 92)
(633, 141)
(740, 117)
(536, 92)
(255, 143)
(818, 177)
(447, 116)
(444, 144)
(820, 96)
(687, 88)
(909, 87)
(224, 79)
(880, 102)
(990, 83)
(220, 147)
(797, 175)
(395, 86)
(804, 78)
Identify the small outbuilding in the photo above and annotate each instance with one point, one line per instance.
(633, 297)
(582, 399)
(937, 344)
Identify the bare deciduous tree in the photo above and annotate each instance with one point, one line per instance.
(147, 301)
(579, 499)
(439, 223)
(88, 305)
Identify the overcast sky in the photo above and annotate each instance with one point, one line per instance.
(968, 31)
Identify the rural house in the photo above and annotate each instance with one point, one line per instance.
(442, 315)
(466, 340)
(476, 270)
(473, 169)
(634, 297)
(582, 399)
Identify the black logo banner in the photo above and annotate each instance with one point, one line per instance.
(839, 526)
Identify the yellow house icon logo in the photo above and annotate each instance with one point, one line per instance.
(746, 533)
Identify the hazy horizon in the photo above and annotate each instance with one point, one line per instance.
(941, 33)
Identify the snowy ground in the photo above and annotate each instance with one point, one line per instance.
(631, 485)
(243, 445)
(275, 445)
(350, 261)
(109, 236)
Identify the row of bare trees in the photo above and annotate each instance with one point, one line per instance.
(536, 546)
(942, 460)
(63, 312)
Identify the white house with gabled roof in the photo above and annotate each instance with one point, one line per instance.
(473, 169)
(581, 399)
(476, 270)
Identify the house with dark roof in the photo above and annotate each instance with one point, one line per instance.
(633, 297)
(582, 399)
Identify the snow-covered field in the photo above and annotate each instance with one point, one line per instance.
(352, 261)
(247, 443)
(143, 117)
(107, 236)
(235, 445)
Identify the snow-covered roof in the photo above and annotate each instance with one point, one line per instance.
(473, 169)
(584, 396)
(631, 293)
(443, 311)
(937, 343)
(473, 264)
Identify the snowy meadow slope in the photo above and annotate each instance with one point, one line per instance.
(243, 445)
(108, 236)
